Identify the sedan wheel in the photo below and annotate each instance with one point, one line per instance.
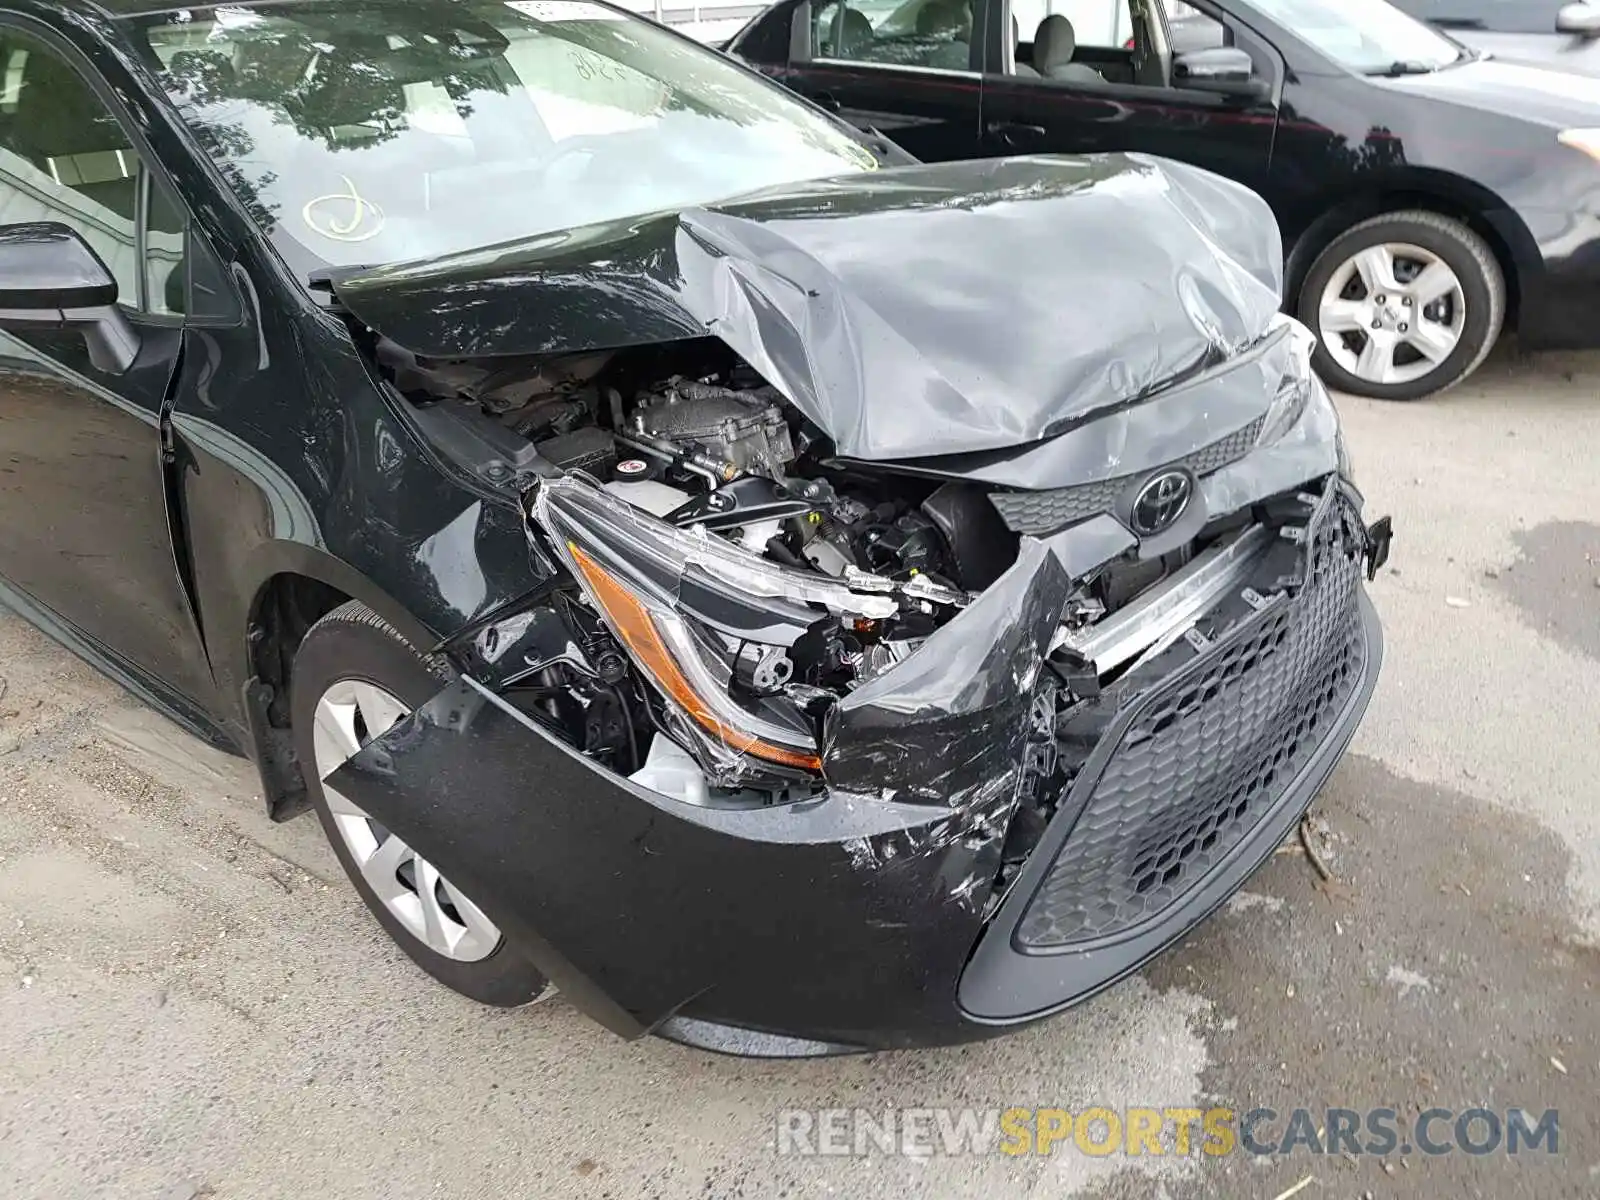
(1392, 314)
(1403, 305)
(349, 715)
(354, 679)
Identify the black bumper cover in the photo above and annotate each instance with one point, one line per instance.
(1006, 983)
(844, 923)
(842, 935)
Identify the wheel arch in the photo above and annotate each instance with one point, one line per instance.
(296, 585)
(1441, 192)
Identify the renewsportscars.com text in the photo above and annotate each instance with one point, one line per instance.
(1100, 1131)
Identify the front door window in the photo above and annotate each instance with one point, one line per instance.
(65, 158)
(931, 34)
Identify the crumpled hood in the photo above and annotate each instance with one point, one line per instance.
(918, 311)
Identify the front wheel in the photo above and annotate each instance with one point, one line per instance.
(354, 679)
(1403, 306)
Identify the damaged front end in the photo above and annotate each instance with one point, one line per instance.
(763, 809)
(889, 680)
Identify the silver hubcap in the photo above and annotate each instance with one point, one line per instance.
(1392, 313)
(350, 714)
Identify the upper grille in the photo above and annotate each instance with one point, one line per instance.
(1207, 757)
(1041, 513)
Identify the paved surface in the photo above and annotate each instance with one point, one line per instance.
(193, 1003)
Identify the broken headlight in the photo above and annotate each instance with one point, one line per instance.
(710, 625)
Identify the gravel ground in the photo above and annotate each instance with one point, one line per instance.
(192, 1002)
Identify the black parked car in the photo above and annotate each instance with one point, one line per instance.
(668, 547)
(1427, 196)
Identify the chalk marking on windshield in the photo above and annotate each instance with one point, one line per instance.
(344, 231)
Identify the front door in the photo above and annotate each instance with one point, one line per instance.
(84, 524)
(909, 70)
(1102, 80)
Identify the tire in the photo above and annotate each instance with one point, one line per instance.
(353, 652)
(1455, 333)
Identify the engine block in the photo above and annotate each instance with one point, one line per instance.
(745, 429)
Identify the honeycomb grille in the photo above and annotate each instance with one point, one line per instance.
(1224, 450)
(1204, 762)
(1041, 513)
(1045, 512)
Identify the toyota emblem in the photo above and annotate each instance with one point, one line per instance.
(1160, 502)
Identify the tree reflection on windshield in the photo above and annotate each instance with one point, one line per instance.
(419, 129)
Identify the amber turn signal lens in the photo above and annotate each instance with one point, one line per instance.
(632, 622)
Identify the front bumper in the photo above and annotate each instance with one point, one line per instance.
(855, 921)
(1558, 279)
(1560, 313)
(1187, 793)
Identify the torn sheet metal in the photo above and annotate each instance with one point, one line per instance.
(947, 725)
(844, 294)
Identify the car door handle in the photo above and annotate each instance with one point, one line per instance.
(826, 100)
(1015, 133)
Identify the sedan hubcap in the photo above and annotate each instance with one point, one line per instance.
(1392, 313)
(350, 714)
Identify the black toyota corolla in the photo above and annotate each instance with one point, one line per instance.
(785, 598)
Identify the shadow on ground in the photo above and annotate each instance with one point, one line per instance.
(1428, 973)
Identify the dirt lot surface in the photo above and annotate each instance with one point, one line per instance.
(193, 1003)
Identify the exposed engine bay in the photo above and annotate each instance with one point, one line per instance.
(864, 561)
(692, 435)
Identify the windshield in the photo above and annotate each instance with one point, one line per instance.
(362, 132)
(1370, 36)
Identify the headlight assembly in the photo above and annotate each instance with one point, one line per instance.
(735, 645)
(688, 671)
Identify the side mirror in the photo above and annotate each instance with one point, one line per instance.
(1220, 70)
(1581, 19)
(51, 279)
